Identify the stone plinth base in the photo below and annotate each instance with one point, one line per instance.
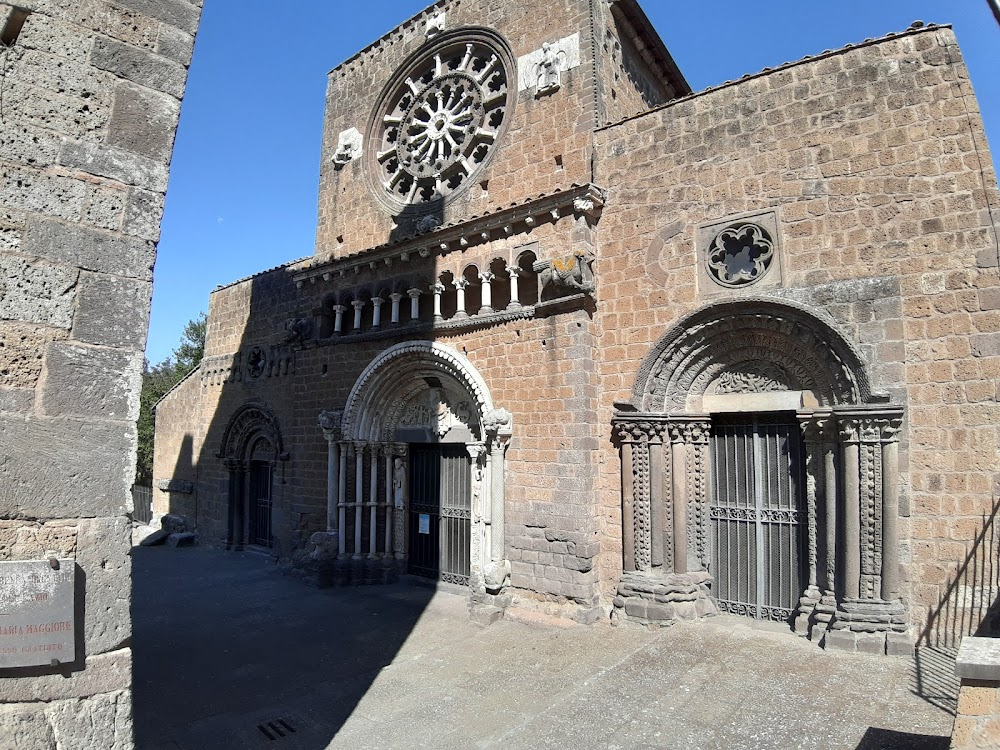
(977, 722)
(869, 626)
(662, 599)
(327, 572)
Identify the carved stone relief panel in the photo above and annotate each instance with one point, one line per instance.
(437, 412)
(739, 252)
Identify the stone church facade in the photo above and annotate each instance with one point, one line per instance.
(583, 341)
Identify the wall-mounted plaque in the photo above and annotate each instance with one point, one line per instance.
(424, 524)
(36, 613)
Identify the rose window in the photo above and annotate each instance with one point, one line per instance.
(440, 122)
(740, 254)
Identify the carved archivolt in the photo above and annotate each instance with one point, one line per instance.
(393, 389)
(777, 339)
(248, 426)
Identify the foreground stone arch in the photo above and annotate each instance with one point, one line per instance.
(763, 357)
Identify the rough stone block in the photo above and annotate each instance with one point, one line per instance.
(32, 541)
(17, 400)
(143, 122)
(175, 44)
(985, 344)
(899, 644)
(840, 640)
(157, 537)
(102, 553)
(89, 249)
(485, 615)
(871, 643)
(34, 291)
(115, 164)
(103, 721)
(105, 673)
(121, 23)
(91, 382)
(54, 35)
(112, 311)
(56, 479)
(28, 189)
(139, 66)
(143, 212)
(22, 349)
(73, 116)
(26, 145)
(182, 539)
(180, 13)
(25, 727)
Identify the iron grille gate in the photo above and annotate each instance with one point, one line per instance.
(440, 512)
(755, 514)
(260, 503)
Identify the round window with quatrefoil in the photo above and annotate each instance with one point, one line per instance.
(740, 255)
(440, 119)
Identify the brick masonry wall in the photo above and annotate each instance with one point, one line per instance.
(91, 96)
(524, 163)
(875, 160)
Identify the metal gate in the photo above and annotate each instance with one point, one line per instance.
(440, 512)
(260, 503)
(757, 478)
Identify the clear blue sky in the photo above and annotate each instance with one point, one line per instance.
(244, 177)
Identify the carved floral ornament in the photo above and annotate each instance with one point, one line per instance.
(740, 255)
(752, 343)
(441, 118)
(249, 423)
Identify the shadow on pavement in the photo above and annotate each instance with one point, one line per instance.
(227, 654)
(887, 739)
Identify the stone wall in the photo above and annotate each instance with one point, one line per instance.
(91, 96)
(874, 162)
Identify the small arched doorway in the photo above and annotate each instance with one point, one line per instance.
(416, 475)
(251, 449)
(760, 474)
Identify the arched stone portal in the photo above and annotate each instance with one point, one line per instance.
(416, 393)
(739, 394)
(251, 449)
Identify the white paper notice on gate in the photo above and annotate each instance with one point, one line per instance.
(424, 524)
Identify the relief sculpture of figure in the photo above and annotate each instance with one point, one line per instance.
(398, 483)
(547, 78)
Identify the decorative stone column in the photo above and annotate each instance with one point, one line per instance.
(477, 452)
(338, 323)
(344, 448)
(377, 312)
(373, 454)
(664, 518)
(329, 422)
(414, 295)
(234, 531)
(813, 425)
(386, 452)
(437, 289)
(400, 499)
(515, 298)
(359, 499)
(487, 277)
(358, 306)
(498, 428)
(460, 284)
(395, 297)
(870, 616)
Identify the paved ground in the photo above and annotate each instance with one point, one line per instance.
(225, 643)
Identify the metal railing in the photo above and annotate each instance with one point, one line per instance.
(142, 499)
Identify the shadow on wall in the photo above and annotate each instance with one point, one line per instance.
(969, 606)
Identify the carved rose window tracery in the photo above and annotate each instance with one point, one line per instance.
(740, 254)
(441, 120)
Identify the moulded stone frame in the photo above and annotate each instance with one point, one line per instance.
(852, 481)
(372, 138)
(705, 234)
(368, 424)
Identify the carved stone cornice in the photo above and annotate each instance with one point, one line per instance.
(870, 426)
(584, 200)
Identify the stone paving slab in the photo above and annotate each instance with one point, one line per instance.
(225, 643)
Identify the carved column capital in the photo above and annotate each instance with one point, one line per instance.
(437, 287)
(513, 271)
(395, 297)
(476, 452)
(414, 293)
(487, 276)
(341, 309)
(358, 304)
(329, 422)
(817, 427)
(460, 282)
(499, 423)
(233, 464)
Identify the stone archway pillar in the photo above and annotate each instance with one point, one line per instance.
(498, 428)
(237, 481)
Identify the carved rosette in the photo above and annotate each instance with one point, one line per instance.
(740, 254)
